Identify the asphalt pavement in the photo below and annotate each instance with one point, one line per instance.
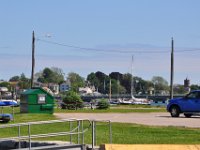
(154, 119)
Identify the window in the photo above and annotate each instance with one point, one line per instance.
(41, 98)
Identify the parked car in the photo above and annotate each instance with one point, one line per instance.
(188, 105)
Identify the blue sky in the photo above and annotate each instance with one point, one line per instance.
(113, 29)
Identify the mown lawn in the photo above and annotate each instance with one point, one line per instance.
(117, 109)
(122, 133)
(113, 109)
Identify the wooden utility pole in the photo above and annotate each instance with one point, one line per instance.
(172, 70)
(33, 59)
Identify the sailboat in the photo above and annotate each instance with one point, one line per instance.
(143, 101)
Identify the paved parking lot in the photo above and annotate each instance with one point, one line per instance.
(155, 119)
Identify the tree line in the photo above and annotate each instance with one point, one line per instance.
(120, 83)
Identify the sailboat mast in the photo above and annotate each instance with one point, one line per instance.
(110, 91)
(132, 77)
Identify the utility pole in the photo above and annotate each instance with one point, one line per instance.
(172, 70)
(33, 59)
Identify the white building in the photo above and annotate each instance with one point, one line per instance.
(85, 91)
(54, 88)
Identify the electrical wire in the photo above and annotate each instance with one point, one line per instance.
(102, 50)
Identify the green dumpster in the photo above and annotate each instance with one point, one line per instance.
(36, 100)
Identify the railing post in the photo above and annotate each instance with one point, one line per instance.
(92, 134)
(19, 134)
(82, 131)
(70, 127)
(95, 135)
(78, 136)
(29, 135)
(110, 131)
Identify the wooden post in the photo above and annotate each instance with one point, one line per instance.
(33, 59)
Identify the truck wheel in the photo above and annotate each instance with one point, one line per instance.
(175, 111)
(187, 115)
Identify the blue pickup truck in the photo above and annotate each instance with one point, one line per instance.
(188, 105)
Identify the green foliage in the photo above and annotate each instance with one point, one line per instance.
(72, 101)
(103, 104)
(51, 75)
(23, 81)
(103, 82)
(116, 76)
(14, 78)
(126, 82)
(160, 83)
(5, 84)
(121, 83)
(93, 80)
(195, 87)
(76, 81)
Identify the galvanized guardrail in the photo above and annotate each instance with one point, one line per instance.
(78, 130)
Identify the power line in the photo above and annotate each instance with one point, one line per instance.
(103, 50)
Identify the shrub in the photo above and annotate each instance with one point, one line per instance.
(103, 104)
(72, 101)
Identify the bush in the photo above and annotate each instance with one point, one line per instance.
(72, 101)
(103, 104)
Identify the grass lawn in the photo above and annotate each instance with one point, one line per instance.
(117, 109)
(122, 133)
(113, 109)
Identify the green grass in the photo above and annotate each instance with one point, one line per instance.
(140, 134)
(122, 133)
(113, 109)
(116, 109)
(110, 111)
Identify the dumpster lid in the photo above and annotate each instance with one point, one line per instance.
(35, 90)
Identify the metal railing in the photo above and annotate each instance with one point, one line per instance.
(79, 130)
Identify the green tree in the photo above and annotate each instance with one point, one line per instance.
(116, 75)
(58, 75)
(23, 81)
(160, 83)
(14, 79)
(93, 80)
(5, 84)
(117, 78)
(72, 101)
(194, 87)
(53, 75)
(76, 81)
(103, 104)
(103, 79)
(126, 82)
